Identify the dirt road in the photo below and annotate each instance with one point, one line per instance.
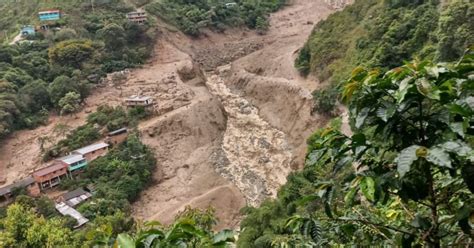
(224, 138)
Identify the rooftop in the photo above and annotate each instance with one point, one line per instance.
(75, 193)
(71, 159)
(138, 98)
(91, 148)
(48, 170)
(64, 209)
(21, 183)
(118, 131)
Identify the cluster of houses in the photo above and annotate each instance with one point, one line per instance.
(62, 168)
(50, 17)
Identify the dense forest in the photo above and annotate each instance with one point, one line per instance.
(383, 34)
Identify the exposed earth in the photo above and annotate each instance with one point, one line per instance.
(232, 116)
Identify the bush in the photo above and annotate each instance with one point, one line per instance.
(325, 100)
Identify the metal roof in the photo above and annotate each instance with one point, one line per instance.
(71, 159)
(118, 131)
(48, 170)
(64, 209)
(21, 183)
(91, 148)
(75, 193)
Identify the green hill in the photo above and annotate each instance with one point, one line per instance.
(385, 33)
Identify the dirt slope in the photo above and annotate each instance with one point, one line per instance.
(225, 138)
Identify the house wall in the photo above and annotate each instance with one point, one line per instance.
(95, 154)
(117, 139)
(55, 174)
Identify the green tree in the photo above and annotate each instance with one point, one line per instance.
(70, 103)
(113, 36)
(71, 53)
(60, 87)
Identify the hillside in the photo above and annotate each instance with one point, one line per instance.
(385, 33)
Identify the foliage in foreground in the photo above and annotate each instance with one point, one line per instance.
(402, 179)
(192, 228)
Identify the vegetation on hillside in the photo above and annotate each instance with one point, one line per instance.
(385, 33)
(57, 69)
(191, 16)
(402, 179)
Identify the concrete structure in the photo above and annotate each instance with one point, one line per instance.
(27, 30)
(118, 136)
(65, 209)
(92, 152)
(74, 162)
(75, 197)
(138, 16)
(49, 15)
(28, 183)
(134, 101)
(50, 176)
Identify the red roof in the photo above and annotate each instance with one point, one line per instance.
(48, 170)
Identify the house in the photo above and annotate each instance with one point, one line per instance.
(65, 209)
(118, 136)
(28, 183)
(138, 16)
(49, 15)
(50, 176)
(93, 151)
(27, 30)
(75, 197)
(134, 101)
(74, 162)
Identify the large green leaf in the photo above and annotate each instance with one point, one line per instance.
(439, 157)
(403, 88)
(125, 241)
(425, 88)
(405, 159)
(361, 116)
(223, 236)
(367, 186)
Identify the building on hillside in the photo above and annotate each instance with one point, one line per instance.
(118, 136)
(65, 209)
(50, 176)
(136, 101)
(92, 152)
(27, 30)
(138, 16)
(28, 183)
(75, 197)
(75, 162)
(49, 15)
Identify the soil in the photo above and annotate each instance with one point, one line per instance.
(232, 116)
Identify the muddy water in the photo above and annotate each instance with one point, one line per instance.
(254, 155)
